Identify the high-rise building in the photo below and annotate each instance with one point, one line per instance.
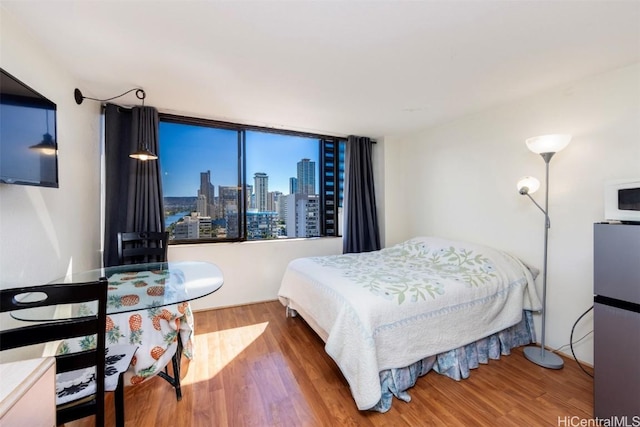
(231, 222)
(208, 191)
(273, 201)
(228, 198)
(281, 208)
(262, 225)
(306, 177)
(293, 185)
(227, 195)
(261, 183)
(193, 226)
(202, 205)
(308, 216)
(302, 215)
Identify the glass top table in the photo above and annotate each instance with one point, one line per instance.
(131, 288)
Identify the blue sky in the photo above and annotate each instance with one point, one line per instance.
(187, 150)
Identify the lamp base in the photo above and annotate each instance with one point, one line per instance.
(544, 358)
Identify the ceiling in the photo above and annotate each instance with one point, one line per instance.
(370, 68)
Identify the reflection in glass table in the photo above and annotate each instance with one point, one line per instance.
(147, 305)
(134, 287)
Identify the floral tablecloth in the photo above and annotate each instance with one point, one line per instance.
(153, 329)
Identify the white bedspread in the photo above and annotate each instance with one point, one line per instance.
(390, 308)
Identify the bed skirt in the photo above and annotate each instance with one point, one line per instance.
(455, 363)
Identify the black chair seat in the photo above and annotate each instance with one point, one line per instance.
(80, 376)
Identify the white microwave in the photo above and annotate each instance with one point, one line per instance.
(622, 200)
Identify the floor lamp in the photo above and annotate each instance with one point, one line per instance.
(546, 146)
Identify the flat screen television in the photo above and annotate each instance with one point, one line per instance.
(28, 144)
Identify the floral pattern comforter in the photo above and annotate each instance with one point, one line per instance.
(390, 308)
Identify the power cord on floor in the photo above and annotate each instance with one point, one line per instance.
(559, 349)
(571, 341)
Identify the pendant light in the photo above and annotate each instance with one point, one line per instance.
(47, 146)
(143, 151)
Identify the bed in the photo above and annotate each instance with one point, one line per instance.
(390, 316)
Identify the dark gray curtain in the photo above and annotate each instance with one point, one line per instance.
(133, 190)
(360, 232)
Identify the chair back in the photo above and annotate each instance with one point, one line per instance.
(93, 325)
(142, 247)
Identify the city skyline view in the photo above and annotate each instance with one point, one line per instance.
(188, 150)
(206, 198)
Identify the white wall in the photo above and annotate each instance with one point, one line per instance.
(252, 270)
(391, 182)
(458, 180)
(44, 232)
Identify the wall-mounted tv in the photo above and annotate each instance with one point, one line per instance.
(28, 144)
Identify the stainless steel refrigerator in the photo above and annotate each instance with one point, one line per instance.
(616, 320)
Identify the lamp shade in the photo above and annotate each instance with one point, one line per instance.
(528, 185)
(47, 146)
(143, 155)
(548, 143)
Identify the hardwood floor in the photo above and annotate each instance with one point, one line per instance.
(255, 367)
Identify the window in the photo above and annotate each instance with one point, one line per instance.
(229, 182)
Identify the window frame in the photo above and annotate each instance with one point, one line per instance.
(328, 159)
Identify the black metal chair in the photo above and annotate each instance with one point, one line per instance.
(143, 247)
(80, 376)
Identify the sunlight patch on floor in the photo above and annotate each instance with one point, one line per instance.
(219, 348)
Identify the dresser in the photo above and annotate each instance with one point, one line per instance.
(28, 393)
